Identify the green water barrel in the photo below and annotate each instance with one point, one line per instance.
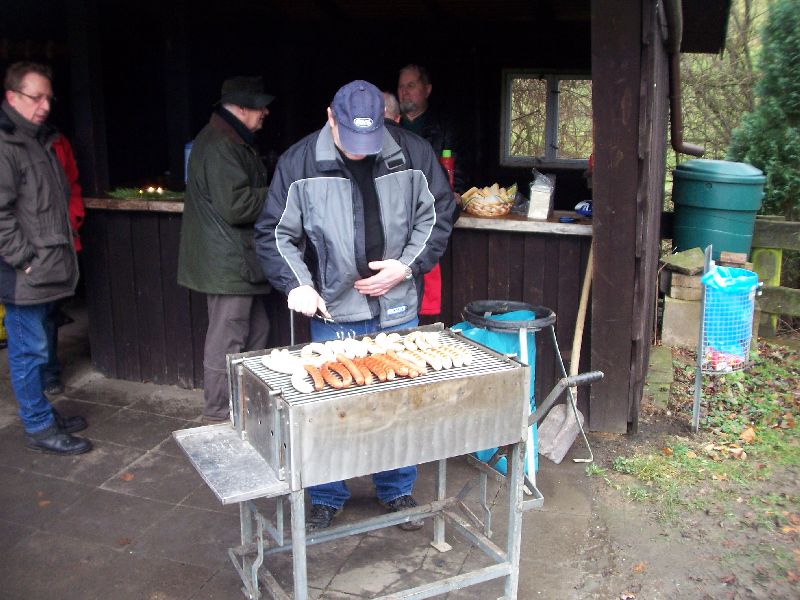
(716, 203)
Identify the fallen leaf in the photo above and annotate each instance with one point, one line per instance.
(126, 476)
(123, 541)
(44, 503)
(728, 579)
(640, 567)
(794, 519)
(792, 576)
(738, 453)
(667, 451)
(748, 436)
(787, 529)
(691, 454)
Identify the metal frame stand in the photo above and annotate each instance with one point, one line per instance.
(250, 558)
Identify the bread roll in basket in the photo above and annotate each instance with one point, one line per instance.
(491, 201)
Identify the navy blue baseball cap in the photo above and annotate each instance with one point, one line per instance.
(358, 111)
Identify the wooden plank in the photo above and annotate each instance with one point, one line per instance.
(149, 297)
(99, 301)
(616, 56)
(776, 234)
(470, 268)
(533, 285)
(123, 294)
(505, 266)
(179, 360)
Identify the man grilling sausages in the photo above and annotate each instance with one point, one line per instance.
(353, 216)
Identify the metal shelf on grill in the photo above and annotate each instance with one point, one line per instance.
(231, 467)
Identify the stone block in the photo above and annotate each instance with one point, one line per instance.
(681, 323)
(686, 287)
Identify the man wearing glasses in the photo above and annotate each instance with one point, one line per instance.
(38, 264)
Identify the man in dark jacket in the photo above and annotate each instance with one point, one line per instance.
(225, 192)
(38, 264)
(351, 220)
(414, 87)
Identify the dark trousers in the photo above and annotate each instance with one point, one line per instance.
(235, 324)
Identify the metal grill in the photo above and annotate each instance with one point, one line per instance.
(483, 362)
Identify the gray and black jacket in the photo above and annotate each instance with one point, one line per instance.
(311, 231)
(34, 220)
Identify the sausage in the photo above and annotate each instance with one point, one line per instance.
(403, 365)
(351, 366)
(377, 367)
(366, 374)
(399, 369)
(342, 371)
(335, 375)
(316, 376)
(365, 370)
(412, 357)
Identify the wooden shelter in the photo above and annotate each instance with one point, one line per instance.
(139, 80)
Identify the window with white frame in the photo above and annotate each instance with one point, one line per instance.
(547, 119)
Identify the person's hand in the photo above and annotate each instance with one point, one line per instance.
(390, 273)
(306, 300)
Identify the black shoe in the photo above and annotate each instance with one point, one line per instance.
(321, 517)
(53, 441)
(402, 503)
(69, 424)
(54, 388)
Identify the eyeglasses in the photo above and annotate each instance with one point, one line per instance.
(39, 98)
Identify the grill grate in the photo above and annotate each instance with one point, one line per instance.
(482, 362)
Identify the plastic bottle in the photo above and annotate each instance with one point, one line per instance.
(449, 163)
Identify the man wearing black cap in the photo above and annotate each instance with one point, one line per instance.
(225, 192)
(349, 224)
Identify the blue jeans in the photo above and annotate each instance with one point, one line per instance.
(27, 355)
(388, 484)
(51, 370)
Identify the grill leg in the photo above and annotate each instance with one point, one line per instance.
(438, 520)
(299, 545)
(515, 473)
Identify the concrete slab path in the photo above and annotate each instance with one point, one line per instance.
(133, 520)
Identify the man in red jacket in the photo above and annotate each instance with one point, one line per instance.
(51, 371)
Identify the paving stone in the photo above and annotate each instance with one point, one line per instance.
(172, 402)
(10, 534)
(192, 536)
(137, 429)
(36, 500)
(91, 468)
(156, 477)
(114, 520)
(48, 565)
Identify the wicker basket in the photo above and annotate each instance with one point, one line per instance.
(482, 209)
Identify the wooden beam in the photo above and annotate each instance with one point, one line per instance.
(616, 72)
(776, 234)
(780, 301)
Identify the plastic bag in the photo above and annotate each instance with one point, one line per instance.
(505, 343)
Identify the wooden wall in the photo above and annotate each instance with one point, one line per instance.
(144, 327)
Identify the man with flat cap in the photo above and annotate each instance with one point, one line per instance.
(225, 192)
(351, 220)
